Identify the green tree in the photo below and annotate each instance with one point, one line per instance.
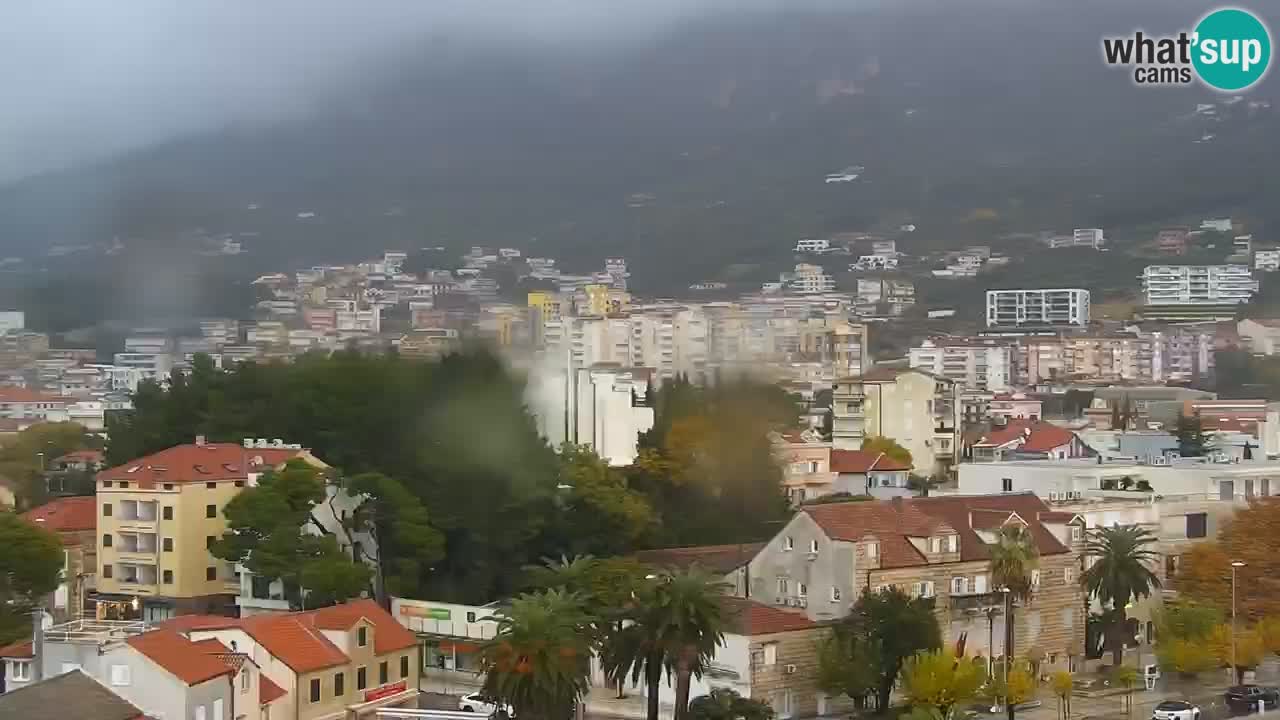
(888, 446)
(407, 544)
(882, 631)
(538, 662)
(727, 704)
(25, 458)
(271, 529)
(30, 568)
(675, 626)
(599, 513)
(1121, 572)
(1190, 434)
(940, 679)
(1013, 558)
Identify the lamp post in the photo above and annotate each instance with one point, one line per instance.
(1235, 565)
(1008, 646)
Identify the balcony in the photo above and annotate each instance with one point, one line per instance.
(976, 602)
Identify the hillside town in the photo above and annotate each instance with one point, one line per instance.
(905, 479)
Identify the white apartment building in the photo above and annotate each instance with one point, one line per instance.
(12, 321)
(1088, 237)
(809, 279)
(812, 245)
(1198, 284)
(1019, 308)
(594, 406)
(973, 366)
(1266, 260)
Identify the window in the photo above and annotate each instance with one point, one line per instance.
(167, 544)
(217, 709)
(106, 540)
(244, 680)
(1077, 533)
(167, 576)
(953, 543)
(200, 713)
(1068, 575)
(471, 617)
(21, 670)
(873, 550)
(835, 594)
(168, 486)
(959, 586)
(214, 486)
(1035, 578)
(362, 636)
(404, 666)
(382, 673)
(211, 573)
(106, 509)
(239, 483)
(106, 571)
(979, 584)
(788, 543)
(339, 684)
(361, 680)
(315, 690)
(1068, 618)
(119, 675)
(167, 513)
(123, 484)
(1197, 525)
(211, 511)
(782, 586)
(935, 544)
(813, 547)
(1006, 484)
(771, 653)
(106, 483)
(802, 590)
(209, 540)
(926, 589)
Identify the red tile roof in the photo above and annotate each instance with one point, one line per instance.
(70, 514)
(179, 656)
(89, 456)
(893, 523)
(748, 617)
(712, 558)
(388, 634)
(211, 646)
(861, 461)
(1033, 436)
(993, 519)
(24, 395)
(199, 463)
(19, 649)
(295, 638)
(268, 691)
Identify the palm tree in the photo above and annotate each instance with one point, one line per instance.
(1120, 573)
(675, 626)
(538, 661)
(1013, 556)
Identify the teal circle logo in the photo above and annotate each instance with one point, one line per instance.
(1231, 49)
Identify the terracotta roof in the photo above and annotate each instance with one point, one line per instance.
(199, 463)
(19, 649)
(993, 519)
(91, 456)
(69, 514)
(295, 638)
(748, 617)
(268, 691)
(862, 461)
(179, 656)
(24, 395)
(893, 522)
(211, 646)
(69, 695)
(1042, 437)
(712, 558)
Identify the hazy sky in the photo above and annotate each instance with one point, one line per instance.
(81, 79)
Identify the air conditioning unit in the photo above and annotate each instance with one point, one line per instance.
(813, 556)
(789, 669)
(802, 602)
(779, 600)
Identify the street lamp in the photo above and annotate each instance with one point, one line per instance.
(1235, 565)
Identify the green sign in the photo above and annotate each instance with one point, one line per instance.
(438, 613)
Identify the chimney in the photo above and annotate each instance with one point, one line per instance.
(200, 441)
(37, 645)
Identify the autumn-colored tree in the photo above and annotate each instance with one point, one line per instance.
(1063, 683)
(1205, 572)
(1244, 654)
(1184, 628)
(888, 446)
(1126, 677)
(1187, 658)
(1269, 630)
(941, 680)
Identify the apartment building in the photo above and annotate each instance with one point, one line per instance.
(809, 279)
(603, 406)
(936, 547)
(1037, 308)
(1198, 284)
(1172, 241)
(972, 365)
(1009, 406)
(863, 472)
(158, 515)
(1266, 260)
(333, 663)
(917, 409)
(1261, 335)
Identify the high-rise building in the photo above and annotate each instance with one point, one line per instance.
(974, 365)
(1037, 308)
(1198, 284)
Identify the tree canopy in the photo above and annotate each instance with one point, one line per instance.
(25, 459)
(30, 568)
(888, 446)
(1122, 571)
(1204, 574)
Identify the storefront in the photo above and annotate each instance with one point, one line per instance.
(450, 654)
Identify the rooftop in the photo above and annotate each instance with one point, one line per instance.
(1028, 435)
(188, 661)
(69, 514)
(200, 463)
(712, 558)
(69, 695)
(860, 461)
(748, 617)
(23, 395)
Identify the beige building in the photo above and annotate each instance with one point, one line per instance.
(158, 515)
(334, 663)
(916, 409)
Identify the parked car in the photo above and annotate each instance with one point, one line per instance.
(1246, 697)
(481, 705)
(1175, 710)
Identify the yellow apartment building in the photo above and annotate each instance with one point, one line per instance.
(158, 515)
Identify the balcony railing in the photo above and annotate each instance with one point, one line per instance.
(976, 601)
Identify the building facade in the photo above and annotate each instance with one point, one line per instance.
(916, 409)
(1037, 308)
